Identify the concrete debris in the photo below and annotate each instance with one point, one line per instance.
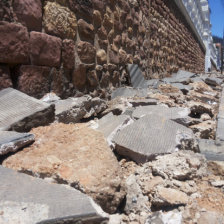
(183, 165)
(184, 88)
(197, 109)
(61, 149)
(110, 124)
(169, 197)
(213, 81)
(11, 141)
(135, 200)
(143, 102)
(29, 200)
(73, 110)
(204, 130)
(141, 140)
(129, 92)
(172, 217)
(180, 115)
(50, 98)
(212, 150)
(20, 112)
(136, 76)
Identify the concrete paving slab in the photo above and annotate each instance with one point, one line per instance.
(143, 102)
(152, 135)
(110, 124)
(220, 129)
(184, 88)
(185, 74)
(129, 92)
(28, 200)
(213, 81)
(212, 150)
(137, 78)
(20, 112)
(11, 141)
(178, 114)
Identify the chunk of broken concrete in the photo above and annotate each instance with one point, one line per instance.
(29, 200)
(11, 141)
(136, 76)
(178, 114)
(213, 81)
(73, 110)
(212, 150)
(73, 154)
(153, 135)
(20, 112)
(110, 124)
(129, 92)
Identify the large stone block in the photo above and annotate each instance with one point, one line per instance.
(78, 164)
(68, 53)
(19, 112)
(59, 21)
(45, 49)
(5, 79)
(29, 13)
(14, 43)
(34, 80)
(141, 140)
(29, 200)
(86, 31)
(86, 52)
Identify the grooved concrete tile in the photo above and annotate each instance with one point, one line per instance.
(212, 150)
(137, 78)
(173, 113)
(28, 200)
(149, 136)
(20, 112)
(129, 92)
(11, 141)
(110, 123)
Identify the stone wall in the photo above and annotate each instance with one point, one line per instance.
(73, 46)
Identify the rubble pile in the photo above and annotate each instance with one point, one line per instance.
(152, 154)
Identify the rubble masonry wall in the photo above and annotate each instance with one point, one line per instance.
(72, 46)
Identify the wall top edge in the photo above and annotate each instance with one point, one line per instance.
(182, 8)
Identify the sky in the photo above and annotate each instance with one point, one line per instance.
(217, 17)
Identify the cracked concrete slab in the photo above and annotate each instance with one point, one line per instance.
(178, 114)
(20, 112)
(153, 135)
(11, 141)
(212, 150)
(28, 200)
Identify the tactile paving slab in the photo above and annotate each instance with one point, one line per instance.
(20, 112)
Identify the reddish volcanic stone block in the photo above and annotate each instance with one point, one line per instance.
(45, 49)
(68, 53)
(14, 43)
(34, 80)
(5, 79)
(29, 13)
(86, 52)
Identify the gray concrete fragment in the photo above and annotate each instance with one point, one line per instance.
(11, 141)
(28, 200)
(212, 150)
(213, 81)
(110, 123)
(185, 74)
(129, 92)
(143, 102)
(154, 83)
(74, 109)
(71, 109)
(184, 88)
(20, 112)
(137, 78)
(180, 115)
(153, 135)
(220, 129)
